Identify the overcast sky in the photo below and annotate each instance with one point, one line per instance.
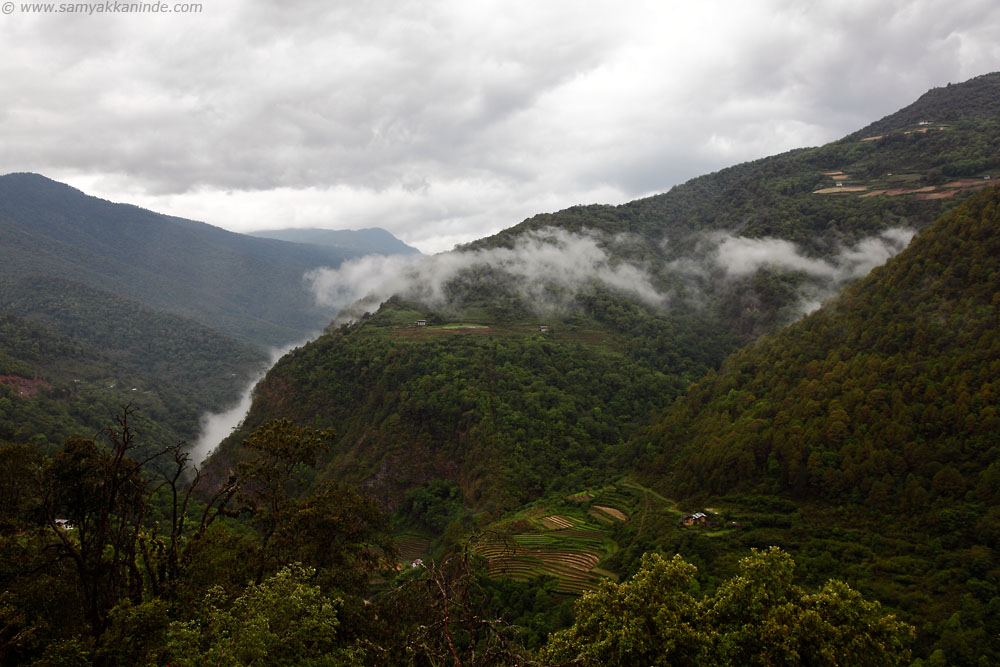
(446, 121)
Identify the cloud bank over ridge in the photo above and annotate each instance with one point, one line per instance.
(539, 266)
(549, 267)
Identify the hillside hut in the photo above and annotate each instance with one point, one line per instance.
(696, 519)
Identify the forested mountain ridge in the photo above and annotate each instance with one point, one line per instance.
(908, 175)
(373, 240)
(972, 100)
(249, 288)
(454, 382)
(877, 415)
(82, 341)
(657, 282)
(505, 410)
(179, 310)
(895, 376)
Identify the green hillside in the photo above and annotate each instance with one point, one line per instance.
(640, 301)
(71, 336)
(85, 392)
(877, 417)
(479, 397)
(492, 403)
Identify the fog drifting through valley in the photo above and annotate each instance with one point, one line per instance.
(216, 426)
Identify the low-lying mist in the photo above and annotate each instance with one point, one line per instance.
(549, 262)
(216, 426)
(540, 265)
(740, 256)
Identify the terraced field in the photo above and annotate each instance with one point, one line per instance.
(567, 545)
(412, 547)
(569, 554)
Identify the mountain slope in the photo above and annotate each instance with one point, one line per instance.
(653, 289)
(877, 416)
(77, 336)
(503, 409)
(973, 100)
(373, 240)
(902, 178)
(900, 366)
(249, 288)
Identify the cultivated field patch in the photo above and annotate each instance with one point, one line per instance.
(943, 194)
(556, 522)
(522, 559)
(412, 547)
(612, 512)
(839, 189)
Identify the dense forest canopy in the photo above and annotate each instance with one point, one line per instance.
(883, 406)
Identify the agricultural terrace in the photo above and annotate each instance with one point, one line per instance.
(894, 184)
(560, 333)
(568, 538)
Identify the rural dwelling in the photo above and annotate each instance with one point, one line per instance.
(543, 328)
(696, 519)
(421, 323)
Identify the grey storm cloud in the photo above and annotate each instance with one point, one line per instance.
(445, 121)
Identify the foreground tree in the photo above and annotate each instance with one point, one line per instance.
(282, 621)
(97, 505)
(438, 614)
(757, 618)
(761, 618)
(648, 620)
(104, 497)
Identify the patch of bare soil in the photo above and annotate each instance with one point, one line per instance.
(943, 194)
(909, 191)
(24, 386)
(611, 511)
(843, 188)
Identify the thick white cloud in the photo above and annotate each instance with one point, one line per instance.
(741, 256)
(537, 263)
(445, 121)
